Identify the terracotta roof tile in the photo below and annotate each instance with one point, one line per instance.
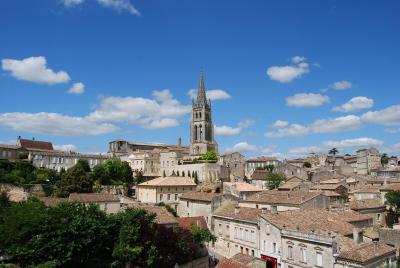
(244, 213)
(391, 187)
(186, 222)
(365, 204)
(93, 197)
(243, 186)
(162, 214)
(198, 196)
(290, 185)
(229, 263)
(259, 174)
(169, 181)
(369, 189)
(9, 146)
(366, 252)
(262, 159)
(326, 186)
(34, 144)
(281, 197)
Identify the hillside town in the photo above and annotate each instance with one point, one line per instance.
(324, 210)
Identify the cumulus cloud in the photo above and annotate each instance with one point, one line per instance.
(54, 124)
(119, 5)
(65, 147)
(77, 88)
(242, 147)
(339, 124)
(341, 85)
(212, 94)
(355, 104)
(388, 116)
(285, 74)
(280, 124)
(307, 100)
(34, 69)
(323, 147)
(247, 123)
(160, 112)
(227, 130)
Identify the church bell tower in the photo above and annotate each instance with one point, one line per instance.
(201, 126)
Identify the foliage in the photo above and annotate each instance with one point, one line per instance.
(201, 235)
(270, 167)
(168, 208)
(393, 199)
(139, 178)
(307, 164)
(384, 159)
(4, 202)
(274, 180)
(100, 175)
(23, 155)
(75, 180)
(84, 164)
(118, 171)
(333, 151)
(210, 155)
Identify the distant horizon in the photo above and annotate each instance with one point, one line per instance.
(285, 79)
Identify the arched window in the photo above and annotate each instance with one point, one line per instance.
(195, 132)
(200, 115)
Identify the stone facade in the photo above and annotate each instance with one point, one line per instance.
(368, 160)
(201, 125)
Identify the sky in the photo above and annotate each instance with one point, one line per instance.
(286, 78)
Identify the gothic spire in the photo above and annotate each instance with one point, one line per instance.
(201, 91)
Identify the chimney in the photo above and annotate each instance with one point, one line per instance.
(274, 209)
(237, 210)
(375, 247)
(357, 235)
(264, 210)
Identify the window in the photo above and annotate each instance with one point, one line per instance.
(187, 203)
(290, 252)
(105, 206)
(236, 232)
(169, 197)
(303, 255)
(319, 259)
(274, 247)
(161, 197)
(253, 236)
(252, 252)
(176, 196)
(378, 217)
(264, 245)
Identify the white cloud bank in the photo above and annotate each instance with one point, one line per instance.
(34, 69)
(242, 147)
(286, 74)
(355, 104)
(233, 131)
(388, 116)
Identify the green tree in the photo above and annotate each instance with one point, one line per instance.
(270, 167)
(384, 159)
(75, 180)
(307, 164)
(210, 155)
(84, 164)
(99, 174)
(118, 171)
(393, 199)
(274, 180)
(333, 151)
(201, 235)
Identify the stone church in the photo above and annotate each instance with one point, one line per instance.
(201, 126)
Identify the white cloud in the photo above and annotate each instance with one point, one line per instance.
(306, 100)
(54, 124)
(392, 130)
(298, 59)
(72, 3)
(285, 74)
(242, 147)
(120, 5)
(341, 85)
(355, 104)
(77, 88)
(325, 146)
(280, 124)
(213, 94)
(227, 130)
(247, 123)
(161, 112)
(65, 147)
(339, 124)
(388, 116)
(34, 69)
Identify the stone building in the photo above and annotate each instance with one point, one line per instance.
(236, 164)
(145, 162)
(242, 190)
(122, 147)
(8, 151)
(107, 202)
(164, 189)
(371, 207)
(260, 162)
(201, 125)
(368, 160)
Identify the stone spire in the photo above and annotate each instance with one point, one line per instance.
(201, 92)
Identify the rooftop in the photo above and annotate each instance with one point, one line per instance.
(199, 196)
(162, 214)
(366, 252)
(229, 263)
(242, 186)
(290, 185)
(186, 222)
(93, 197)
(368, 189)
(169, 181)
(327, 186)
(391, 187)
(366, 204)
(9, 146)
(259, 174)
(243, 213)
(52, 201)
(281, 197)
(34, 144)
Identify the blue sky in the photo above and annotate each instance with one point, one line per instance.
(84, 72)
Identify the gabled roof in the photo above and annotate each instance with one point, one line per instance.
(366, 204)
(290, 185)
(244, 213)
(52, 201)
(366, 252)
(163, 216)
(9, 146)
(243, 186)
(368, 189)
(229, 263)
(170, 181)
(281, 197)
(259, 174)
(262, 159)
(327, 186)
(35, 145)
(93, 197)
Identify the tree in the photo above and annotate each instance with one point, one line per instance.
(393, 199)
(139, 178)
(84, 164)
(307, 164)
(270, 167)
(333, 151)
(201, 235)
(75, 180)
(274, 180)
(100, 174)
(384, 159)
(118, 171)
(210, 155)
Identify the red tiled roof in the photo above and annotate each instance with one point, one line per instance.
(243, 186)
(259, 174)
(262, 159)
(244, 213)
(365, 204)
(198, 196)
(93, 197)
(169, 181)
(163, 216)
(34, 144)
(391, 187)
(327, 186)
(229, 263)
(281, 197)
(186, 222)
(366, 252)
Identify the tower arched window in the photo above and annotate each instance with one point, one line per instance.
(195, 133)
(200, 115)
